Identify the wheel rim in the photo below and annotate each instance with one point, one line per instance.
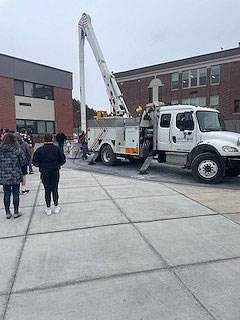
(106, 156)
(208, 169)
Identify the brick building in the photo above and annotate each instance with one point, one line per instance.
(206, 80)
(34, 96)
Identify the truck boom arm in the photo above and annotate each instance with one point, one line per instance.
(114, 94)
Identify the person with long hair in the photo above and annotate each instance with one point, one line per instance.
(12, 172)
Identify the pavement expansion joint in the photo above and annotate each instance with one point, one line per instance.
(195, 264)
(78, 281)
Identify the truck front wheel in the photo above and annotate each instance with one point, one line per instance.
(208, 168)
(108, 157)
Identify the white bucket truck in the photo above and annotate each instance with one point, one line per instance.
(189, 136)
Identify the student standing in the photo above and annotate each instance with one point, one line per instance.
(31, 143)
(12, 172)
(49, 158)
(25, 148)
(61, 138)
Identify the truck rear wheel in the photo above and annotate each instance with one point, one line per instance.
(108, 157)
(208, 168)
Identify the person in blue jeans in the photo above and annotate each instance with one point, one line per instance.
(12, 172)
(61, 138)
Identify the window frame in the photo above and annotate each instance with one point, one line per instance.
(189, 72)
(150, 95)
(33, 90)
(175, 81)
(234, 106)
(212, 106)
(169, 120)
(176, 102)
(34, 126)
(211, 74)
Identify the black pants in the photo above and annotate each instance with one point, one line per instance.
(8, 189)
(50, 180)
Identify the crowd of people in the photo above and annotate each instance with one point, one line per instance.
(16, 159)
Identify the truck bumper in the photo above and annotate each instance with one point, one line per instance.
(234, 163)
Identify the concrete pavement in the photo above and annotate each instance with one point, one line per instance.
(121, 249)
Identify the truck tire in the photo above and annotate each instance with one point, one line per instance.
(108, 157)
(231, 172)
(208, 168)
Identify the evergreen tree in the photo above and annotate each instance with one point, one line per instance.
(77, 114)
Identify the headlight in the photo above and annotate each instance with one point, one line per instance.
(238, 141)
(229, 149)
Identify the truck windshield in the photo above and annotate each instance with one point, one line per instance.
(210, 121)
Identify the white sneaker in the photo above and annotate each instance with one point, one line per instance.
(57, 209)
(48, 211)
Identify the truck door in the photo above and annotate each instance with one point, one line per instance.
(164, 142)
(183, 133)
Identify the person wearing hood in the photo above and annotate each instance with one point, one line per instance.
(12, 172)
(25, 148)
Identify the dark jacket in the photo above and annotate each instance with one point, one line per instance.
(48, 157)
(60, 137)
(25, 147)
(12, 165)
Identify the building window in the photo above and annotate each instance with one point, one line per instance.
(194, 77)
(202, 76)
(41, 127)
(174, 102)
(30, 125)
(214, 102)
(150, 95)
(175, 78)
(236, 105)
(193, 101)
(49, 127)
(37, 126)
(28, 89)
(185, 79)
(165, 120)
(185, 101)
(202, 101)
(43, 92)
(199, 101)
(34, 90)
(20, 124)
(215, 74)
(18, 88)
(159, 94)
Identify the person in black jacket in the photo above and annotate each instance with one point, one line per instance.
(49, 159)
(61, 138)
(25, 148)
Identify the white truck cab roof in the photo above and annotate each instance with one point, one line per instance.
(181, 107)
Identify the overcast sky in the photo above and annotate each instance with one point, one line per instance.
(131, 33)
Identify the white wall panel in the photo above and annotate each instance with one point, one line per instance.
(38, 109)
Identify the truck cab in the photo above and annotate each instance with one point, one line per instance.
(196, 137)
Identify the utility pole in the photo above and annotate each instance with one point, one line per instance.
(81, 39)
